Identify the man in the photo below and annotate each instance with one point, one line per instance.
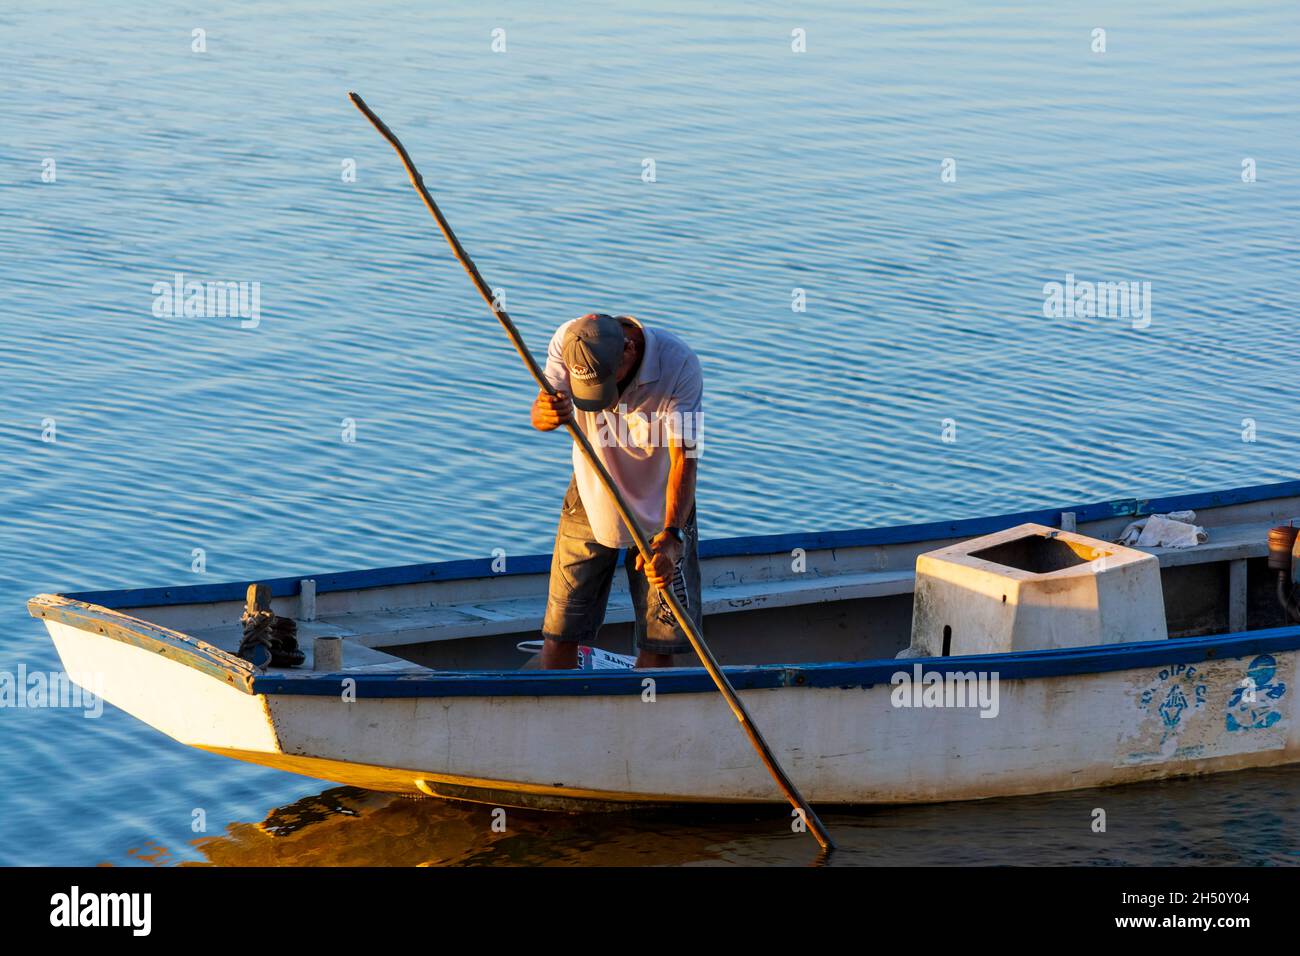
(635, 392)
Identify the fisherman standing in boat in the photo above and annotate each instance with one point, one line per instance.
(635, 392)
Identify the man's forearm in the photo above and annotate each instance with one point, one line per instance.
(681, 489)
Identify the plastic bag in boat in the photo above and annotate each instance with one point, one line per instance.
(1174, 530)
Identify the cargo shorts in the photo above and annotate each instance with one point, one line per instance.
(582, 571)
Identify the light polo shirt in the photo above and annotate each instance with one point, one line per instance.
(660, 407)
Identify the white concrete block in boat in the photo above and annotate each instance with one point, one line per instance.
(1032, 587)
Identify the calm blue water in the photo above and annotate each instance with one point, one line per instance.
(775, 171)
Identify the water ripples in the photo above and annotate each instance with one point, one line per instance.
(774, 172)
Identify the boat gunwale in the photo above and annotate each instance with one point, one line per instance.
(1019, 665)
(743, 546)
(176, 645)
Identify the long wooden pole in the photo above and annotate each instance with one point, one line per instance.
(642, 543)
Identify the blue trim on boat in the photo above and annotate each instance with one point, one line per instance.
(721, 547)
(690, 680)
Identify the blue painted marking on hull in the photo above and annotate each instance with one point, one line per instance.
(1254, 706)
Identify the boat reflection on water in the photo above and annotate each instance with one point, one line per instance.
(347, 826)
(1248, 818)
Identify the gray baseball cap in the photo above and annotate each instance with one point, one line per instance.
(592, 352)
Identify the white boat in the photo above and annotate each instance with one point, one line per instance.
(433, 697)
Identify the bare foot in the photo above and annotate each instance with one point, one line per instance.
(559, 655)
(650, 659)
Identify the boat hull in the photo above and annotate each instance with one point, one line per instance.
(617, 741)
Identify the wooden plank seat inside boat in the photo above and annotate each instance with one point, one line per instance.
(523, 613)
(412, 625)
(1226, 543)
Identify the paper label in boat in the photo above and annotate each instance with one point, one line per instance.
(594, 659)
(589, 658)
